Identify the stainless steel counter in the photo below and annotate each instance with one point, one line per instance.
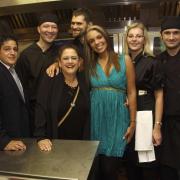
(70, 160)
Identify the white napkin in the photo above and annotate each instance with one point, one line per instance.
(143, 136)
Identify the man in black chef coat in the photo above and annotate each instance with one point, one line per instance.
(34, 60)
(170, 63)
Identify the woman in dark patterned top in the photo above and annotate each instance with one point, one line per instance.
(62, 108)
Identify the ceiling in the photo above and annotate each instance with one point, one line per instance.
(20, 16)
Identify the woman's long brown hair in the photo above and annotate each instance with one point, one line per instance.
(92, 57)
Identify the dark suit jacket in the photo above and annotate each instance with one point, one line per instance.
(47, 107)
(14, 117)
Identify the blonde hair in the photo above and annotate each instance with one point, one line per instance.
(146, 48)
(92, 56)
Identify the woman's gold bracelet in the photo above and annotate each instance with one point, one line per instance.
(133, 121)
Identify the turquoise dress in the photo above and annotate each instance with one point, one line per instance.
(109, 115)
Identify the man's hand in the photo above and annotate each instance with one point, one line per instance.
(15, 146)
(53, 70)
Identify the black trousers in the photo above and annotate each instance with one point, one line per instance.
(141, 171)
(135, 172)
(170, 145)
(169, 173)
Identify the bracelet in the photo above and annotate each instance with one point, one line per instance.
(158, 123)
(133, 121)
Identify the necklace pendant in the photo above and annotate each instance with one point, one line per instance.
(72, 104)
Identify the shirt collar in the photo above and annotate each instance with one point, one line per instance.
(7, 66)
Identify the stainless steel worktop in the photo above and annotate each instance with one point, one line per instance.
(68, 159)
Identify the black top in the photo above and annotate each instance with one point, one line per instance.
(80, 47)
(30, 66)
(53, 100)
(171, 71)
(73, 126)
(148, 78)
(75, 42)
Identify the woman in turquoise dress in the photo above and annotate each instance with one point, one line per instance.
(112, 81)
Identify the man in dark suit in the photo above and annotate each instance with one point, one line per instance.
(14, 116)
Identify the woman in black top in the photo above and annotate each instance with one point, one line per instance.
(54, 119)
(149, 98)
